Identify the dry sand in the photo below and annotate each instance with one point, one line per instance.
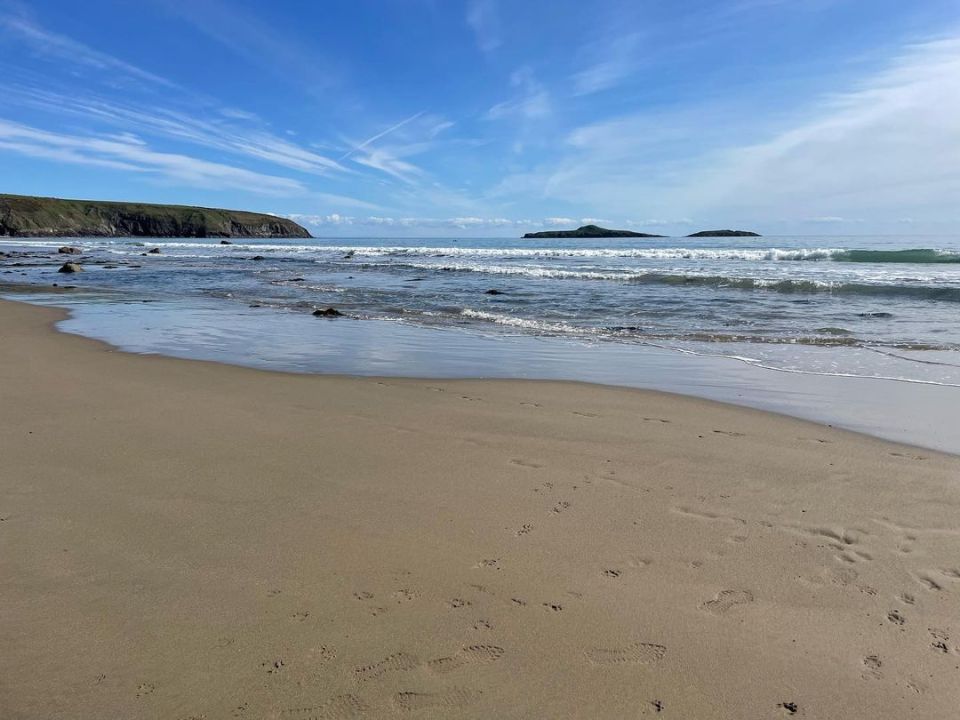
(189, 540)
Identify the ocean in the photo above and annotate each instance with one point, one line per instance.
(635, 311)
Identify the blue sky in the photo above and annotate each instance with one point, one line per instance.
(489, 117)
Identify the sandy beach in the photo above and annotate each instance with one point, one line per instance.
(181, 539)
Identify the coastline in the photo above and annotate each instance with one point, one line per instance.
(182, 538)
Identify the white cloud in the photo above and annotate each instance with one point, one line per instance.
(51, 44)
(885, 149)
(531, 100)
(135, 156)
(251, 37)
(614, 60)
(452, 223)
(214, 134)
(483, 17)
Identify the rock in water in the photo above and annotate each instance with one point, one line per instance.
(154, 251)
(587, 231)
(329, 312)
(226, 242)
(723, 233)
(70, 268)
(67, 250)
(258, 257)
(494, 291)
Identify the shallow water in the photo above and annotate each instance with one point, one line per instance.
(789, 324)
(891, 301)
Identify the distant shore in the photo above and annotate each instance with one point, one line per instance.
(27, 216)
(213, 540)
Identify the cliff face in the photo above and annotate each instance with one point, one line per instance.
(587, 231)
(22, 216)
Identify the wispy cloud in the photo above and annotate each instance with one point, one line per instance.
(613, 61)
(483, 17)
(412, 136)
(54, 45)
(248, 35)
(134, 155)
(216, 133)
(888, 147)
(451, 223)
(380, 135)
(531, 100)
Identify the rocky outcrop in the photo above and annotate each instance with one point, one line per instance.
(724, 233)
(22, 216)
(328, 313)
(587, 231)
(70, 268)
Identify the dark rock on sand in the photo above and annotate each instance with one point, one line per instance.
(724, 233)
(67, 250)
(328, 312)
(70, 268)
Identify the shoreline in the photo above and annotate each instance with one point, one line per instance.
(214, 540)
(907, 411)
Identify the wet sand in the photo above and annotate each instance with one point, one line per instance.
(181, 539)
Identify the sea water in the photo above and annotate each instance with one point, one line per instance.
(654, 312)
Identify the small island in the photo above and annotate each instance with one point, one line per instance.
(724, 233)
(588, 231)
(25, 216)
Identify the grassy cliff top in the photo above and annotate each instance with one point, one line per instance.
(25, 216)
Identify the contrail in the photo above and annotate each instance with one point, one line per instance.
(380, 135)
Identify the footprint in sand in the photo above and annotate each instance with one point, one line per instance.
(896, 617)
(635, 654)
(449, 700)
(928, 582)
(726, 600)
(524, 530)
(940, 639)
(525, 463)
(909, 456)
(341, 707)
(405, 595)
(470, 655)
(398, 662)
(871, 667)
